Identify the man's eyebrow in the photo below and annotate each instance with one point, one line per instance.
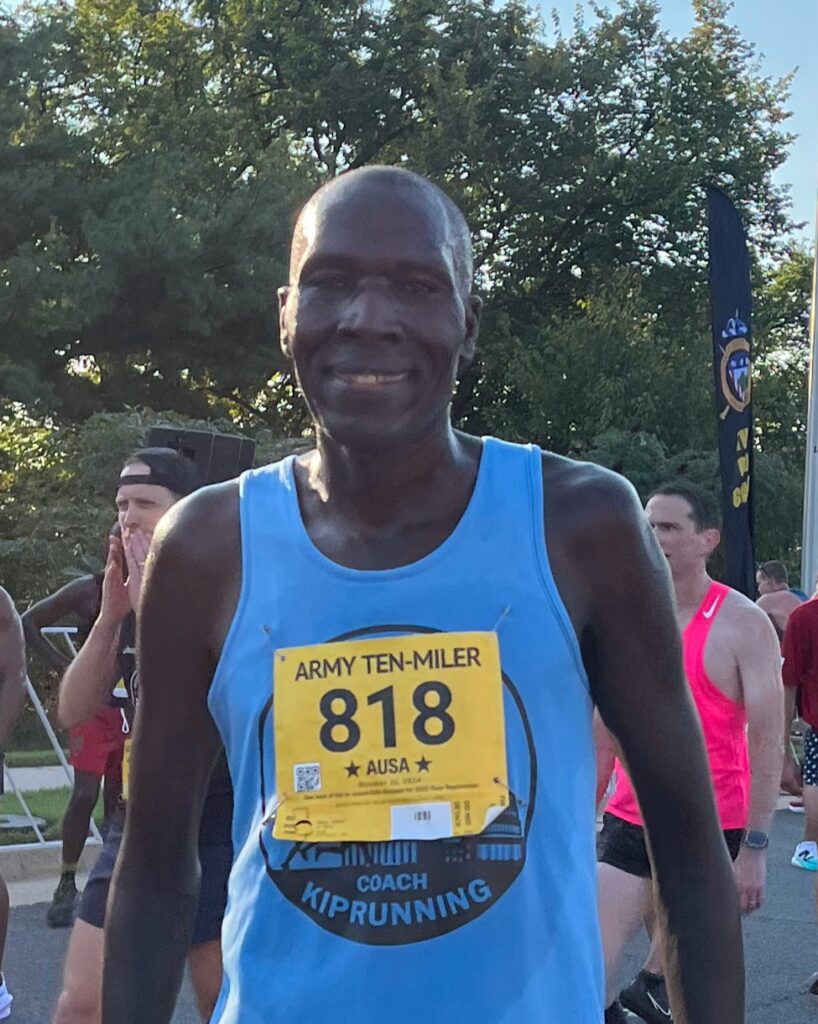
(323, 260)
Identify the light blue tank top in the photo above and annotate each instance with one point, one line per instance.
(496, 928)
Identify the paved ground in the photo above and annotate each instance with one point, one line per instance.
(30, 779)
(781, 941)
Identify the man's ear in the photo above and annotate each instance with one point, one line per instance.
(712, 540)
(474, 307)
(283, 336)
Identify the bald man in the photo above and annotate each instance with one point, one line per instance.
(430, 616)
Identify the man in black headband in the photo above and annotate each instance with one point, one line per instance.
(152, 481)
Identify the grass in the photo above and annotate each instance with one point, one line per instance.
(43, 803)
(32, 758)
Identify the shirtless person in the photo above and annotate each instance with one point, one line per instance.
(96, 745)
(732, 664)
(776, 598)
(12, 695)
(779, 602)
(398, 528)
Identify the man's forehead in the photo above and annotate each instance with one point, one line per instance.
(152, 492)
(373, 220)
(674, 506)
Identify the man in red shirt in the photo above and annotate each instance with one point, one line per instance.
(800, 651)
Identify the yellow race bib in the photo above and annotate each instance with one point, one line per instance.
(391, 738)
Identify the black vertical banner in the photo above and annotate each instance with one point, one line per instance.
(731, 309)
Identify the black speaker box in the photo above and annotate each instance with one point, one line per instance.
(217, 457)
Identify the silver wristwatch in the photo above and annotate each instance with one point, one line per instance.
(753, 839)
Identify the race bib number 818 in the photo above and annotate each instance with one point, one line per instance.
(391, 738)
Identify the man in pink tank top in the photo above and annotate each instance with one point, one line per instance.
(732, 666)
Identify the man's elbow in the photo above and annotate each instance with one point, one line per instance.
(31, 627)
(68, 714)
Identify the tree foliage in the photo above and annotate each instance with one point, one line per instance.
(153, 155)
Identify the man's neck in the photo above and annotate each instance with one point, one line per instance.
(375, 486)
(690, 590)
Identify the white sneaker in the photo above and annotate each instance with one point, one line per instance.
(6, 999)
(806, 856)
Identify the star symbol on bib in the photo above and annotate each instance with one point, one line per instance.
(423, 765)
(352, 769)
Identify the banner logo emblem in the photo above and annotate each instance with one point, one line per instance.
(736, 380)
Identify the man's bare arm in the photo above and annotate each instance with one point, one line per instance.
(758, 658)
(631, 648)
(77, 599)
(90, 677)
(759, 661)
(12, 667)
(190, 592)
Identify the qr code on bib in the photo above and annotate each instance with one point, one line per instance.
(307, 778)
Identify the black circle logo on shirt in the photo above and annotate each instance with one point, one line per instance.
(404, 891)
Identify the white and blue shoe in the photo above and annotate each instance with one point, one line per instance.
(6, 999)
(806, 856)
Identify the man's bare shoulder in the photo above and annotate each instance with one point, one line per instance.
(8, 613)
(587, 495)
(780, 602)
(202, 529)
(746, 622)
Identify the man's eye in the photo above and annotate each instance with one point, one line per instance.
(415, 286)
(329, 282)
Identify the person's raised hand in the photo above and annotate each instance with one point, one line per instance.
(115, 603)
(136, 554)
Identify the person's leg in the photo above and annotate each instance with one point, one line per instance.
(4, 919)
(77, 817)
(205, 954)
(112, 787)
(622, 899)
(811, 814)
(806, 853)
(205, 963)
(624, 890)
(5, 998)
(81, 996)
(647, 993)
(655, 959)
(75, 825)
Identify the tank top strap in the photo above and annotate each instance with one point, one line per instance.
(698, 629)
(507, 498)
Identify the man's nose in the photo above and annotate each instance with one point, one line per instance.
(370, 314)
(130, 519)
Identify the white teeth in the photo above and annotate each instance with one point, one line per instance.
(374, 378)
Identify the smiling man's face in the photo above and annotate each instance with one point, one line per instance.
(376, 319)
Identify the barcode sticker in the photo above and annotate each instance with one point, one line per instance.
(422, 821)
(307, 778)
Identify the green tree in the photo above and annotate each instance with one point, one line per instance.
(154, 154)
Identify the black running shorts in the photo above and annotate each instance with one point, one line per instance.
(215, 859)
(622, 845)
